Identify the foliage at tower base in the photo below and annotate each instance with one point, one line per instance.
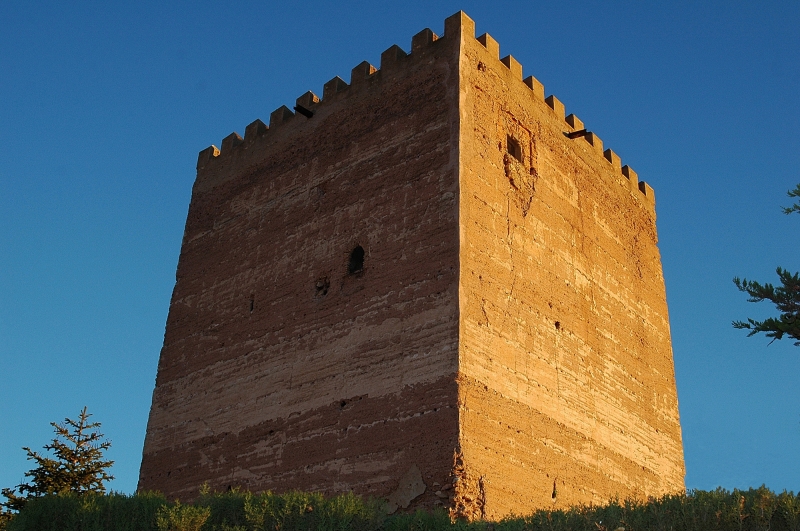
(785, 297)
(718, 510)
(77, 466)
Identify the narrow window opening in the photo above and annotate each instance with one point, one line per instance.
(356, 263)
(252, 303)
(513, 148)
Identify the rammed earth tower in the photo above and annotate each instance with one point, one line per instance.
(430, 285)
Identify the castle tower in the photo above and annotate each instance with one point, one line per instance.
(419, 288)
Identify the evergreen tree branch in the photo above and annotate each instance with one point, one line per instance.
(785, 297)
(795, 207)
(77, 466)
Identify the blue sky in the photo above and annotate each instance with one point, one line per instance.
(104, 107)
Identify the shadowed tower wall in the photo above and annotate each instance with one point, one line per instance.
(505, 345)
(283, 369)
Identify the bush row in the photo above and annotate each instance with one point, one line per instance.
(718, 510)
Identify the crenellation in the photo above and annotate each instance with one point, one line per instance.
(513, 65)
(309, 100)
(206, 155)
(614, 160)
(535, 86)
(491, 45)
(556, 105)
(360, 73)
(256, 129)
(595, 142)
(332, 88)
(423, 39)
(574, 122)
(392, 57)
(459, 24)
(648, 192)
(493, 48)
(632, 177)
(280, 116)
(230, 142)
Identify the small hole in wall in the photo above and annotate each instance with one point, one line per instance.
(554, 490)
(558, 325)
(252, 303)
(356, 263)
(513, 148)
(321, 286)
(342, 404)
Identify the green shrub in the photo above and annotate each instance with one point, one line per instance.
(718, 510)
(303, 511)
(89, 512)
(424, 520)
(227, 510)
(181, 517)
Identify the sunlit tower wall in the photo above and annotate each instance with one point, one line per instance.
(428, 286)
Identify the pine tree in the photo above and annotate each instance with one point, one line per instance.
(785, 297)
(77, 465)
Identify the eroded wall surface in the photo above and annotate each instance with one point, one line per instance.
(566, 381)
(283, 369)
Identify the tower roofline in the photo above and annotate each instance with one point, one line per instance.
(393, 59)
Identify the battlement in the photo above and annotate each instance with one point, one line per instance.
(572, 122)
(362, 75)
(393, 59)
